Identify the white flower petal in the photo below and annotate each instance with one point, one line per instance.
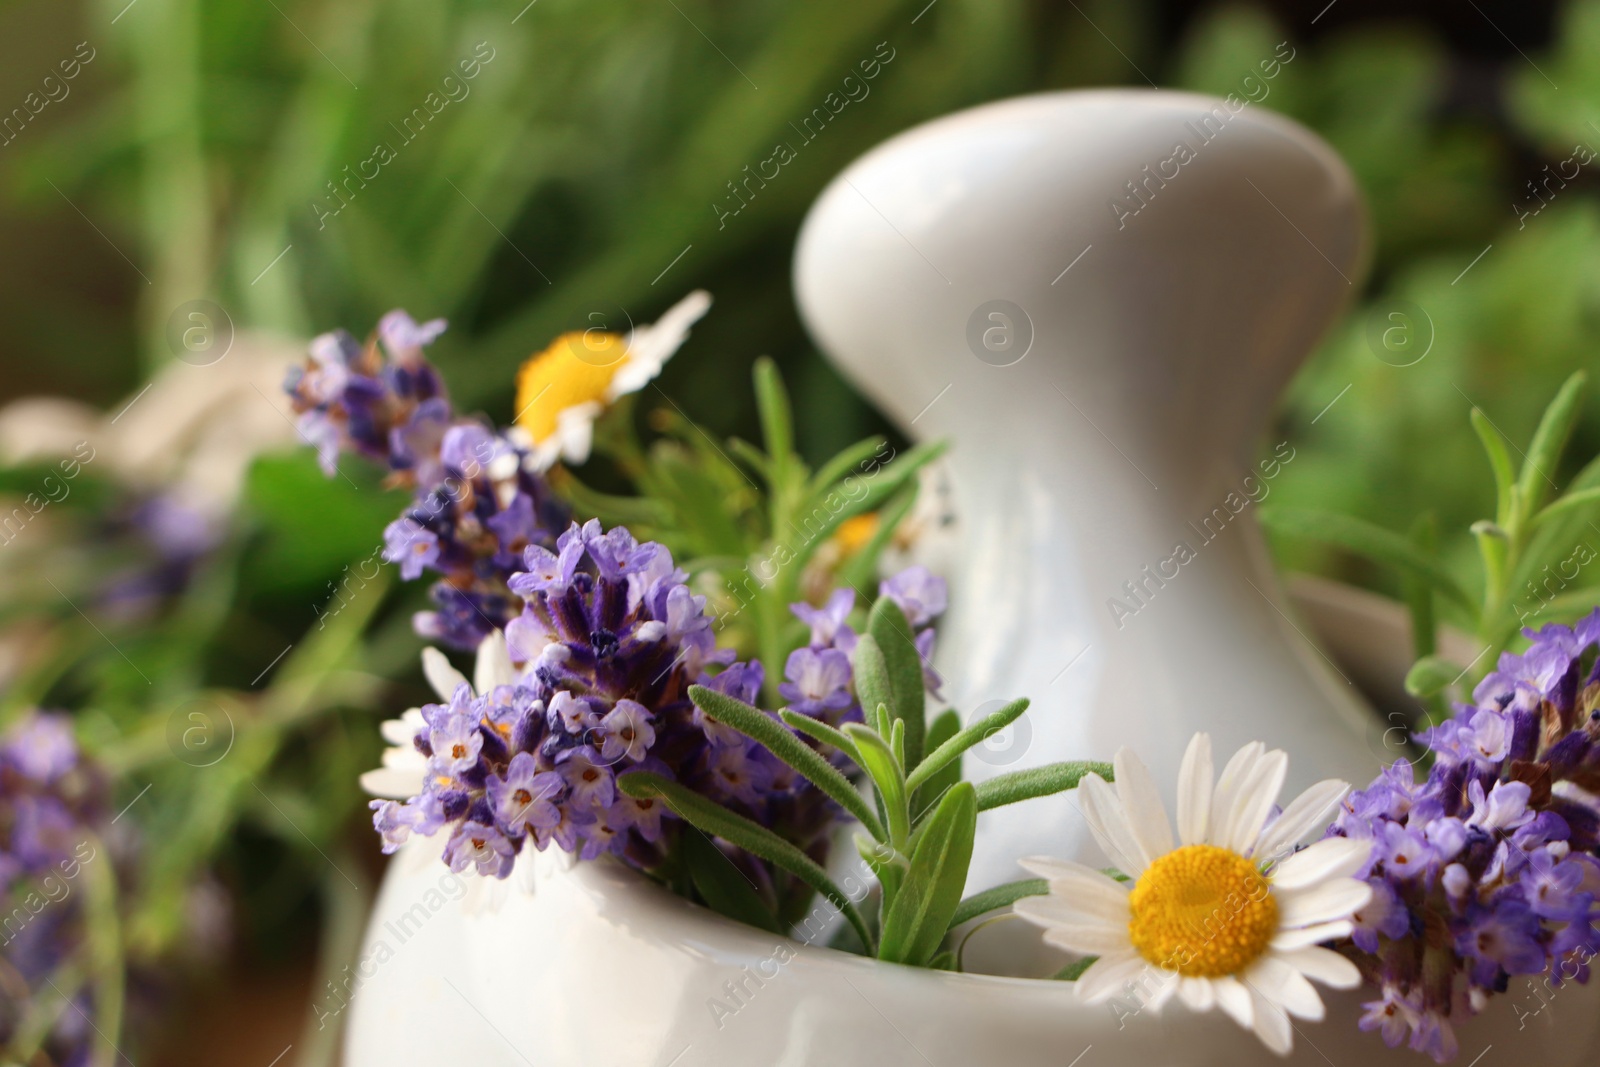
(1109, 825)
(1107, 975)
(494, 664)
(443, 677)
(1254, 800)
(1320, 933)
(1272, 1024)
(402, 731)
(1305, 815)
(1055, 909)
(393, 783)
(402, 759)
(1194, 791)
(1323, 965)
(1088, 891)
(1234, 775)
(1273, 978)
(1197, 993)
(649, 347)
(1141, 802)
(1092, 938)
(575, 430)
(1325, 902)
(1163, 989)
(1233, 998)
(1333, 857)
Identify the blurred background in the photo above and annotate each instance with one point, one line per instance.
(189, 189)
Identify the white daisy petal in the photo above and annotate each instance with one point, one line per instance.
(1197, 993)
(1323, 965)
(393, 783)
(1284, 986)
(494, 664)
(1272, 1024)
(443, 677)
(400, 732)
(1233, 998)
(1141, 803)
(575, 431)
(1305, 815)
(1330, 858)
(407, 758)
(1107, 975)
(1254, 800)
(649, 347)
(1071, 909)
(1089, 938)
(1164, 989)
(1092, 893)
(1320, 933)
(1326, 902)
(1194, 791)
(1234, 774)
(1109, 825)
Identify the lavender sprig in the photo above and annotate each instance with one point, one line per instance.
(1487, 869)
(477, 504)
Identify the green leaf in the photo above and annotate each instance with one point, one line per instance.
(843, 463)
(903, 665)
(1430, 676)
(951, 750)
(944, 726)
(944, 961)
(1494, 446)
(1572, 502)
(1074, 970)
(877, 758)
(1370, 540)
(887, 864)
(873, 685)
(820, 519)
(1001, 896)
(777, 418)
(915, 926)
(1037, 782)
(776, 738)
(1550, 440)
(820, 731)
(754, 838)
(1553, 540)
(724, 888)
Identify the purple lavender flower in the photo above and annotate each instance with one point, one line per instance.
(819, 681)
(477, 503)
(482, 847)
(828, 627)
(1487, 869)
(607, 643)
(920, 593)
(53, 813)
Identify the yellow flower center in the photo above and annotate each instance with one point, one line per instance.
(1202, 911)
(576, 369)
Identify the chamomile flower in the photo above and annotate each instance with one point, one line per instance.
(1231, 917)
(562, 390)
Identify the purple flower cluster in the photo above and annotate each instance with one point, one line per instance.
(50, 799)
(608, 642)
(478, 504)
(1487, 869)
(819, 676)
